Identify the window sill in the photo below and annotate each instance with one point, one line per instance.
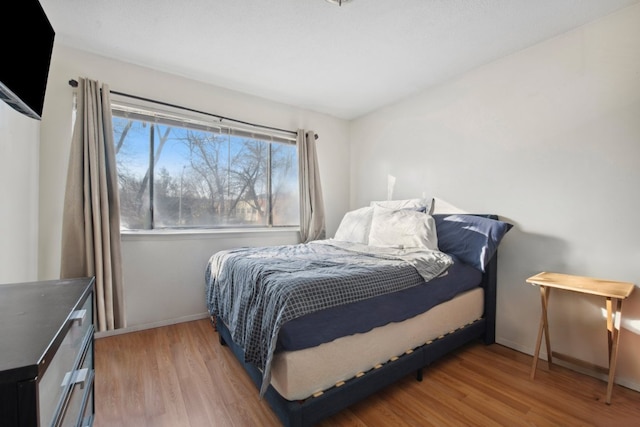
(210, 233)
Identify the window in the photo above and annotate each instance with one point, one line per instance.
(191, 171)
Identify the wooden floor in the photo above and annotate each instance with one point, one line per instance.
(181, 376)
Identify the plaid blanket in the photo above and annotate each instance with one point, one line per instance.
(254, 291)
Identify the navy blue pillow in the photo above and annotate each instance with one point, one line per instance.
(473, 239)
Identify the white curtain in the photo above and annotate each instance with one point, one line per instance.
(91, 219)
(312, 218)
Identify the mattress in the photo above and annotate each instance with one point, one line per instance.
(358, 317)
(299, 374)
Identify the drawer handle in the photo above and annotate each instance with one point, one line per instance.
(79, 316)
(79, 377)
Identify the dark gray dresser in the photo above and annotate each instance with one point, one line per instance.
(46, 353)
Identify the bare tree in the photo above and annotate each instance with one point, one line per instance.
(156, 156)
(134, 204)
(207, 159)
(249, 176)
(224, 178)
(123, 135)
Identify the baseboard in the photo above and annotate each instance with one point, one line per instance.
(152, 325)
(516, 346)
(624, 382)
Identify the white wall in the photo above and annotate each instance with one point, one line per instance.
(19, 139)
(549, 139)
(164, 275)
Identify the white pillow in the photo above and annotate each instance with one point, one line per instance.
(355, 226)
(402, 228)
(426, 203)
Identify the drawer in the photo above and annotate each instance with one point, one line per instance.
(81, 391)
(51, 390)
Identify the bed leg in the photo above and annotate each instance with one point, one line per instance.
(213, 322)
(215, 328)
(419, 374)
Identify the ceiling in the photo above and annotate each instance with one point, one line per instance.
(344, 61)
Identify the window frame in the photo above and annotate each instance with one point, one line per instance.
(169, 115)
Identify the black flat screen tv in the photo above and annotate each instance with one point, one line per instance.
(27, 42)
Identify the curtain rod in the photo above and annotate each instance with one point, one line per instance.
(74, 83)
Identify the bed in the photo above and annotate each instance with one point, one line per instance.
(322, 325)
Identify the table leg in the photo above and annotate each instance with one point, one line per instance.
(609, 327)
(545, 303)
(543, 329)
(613, 332)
